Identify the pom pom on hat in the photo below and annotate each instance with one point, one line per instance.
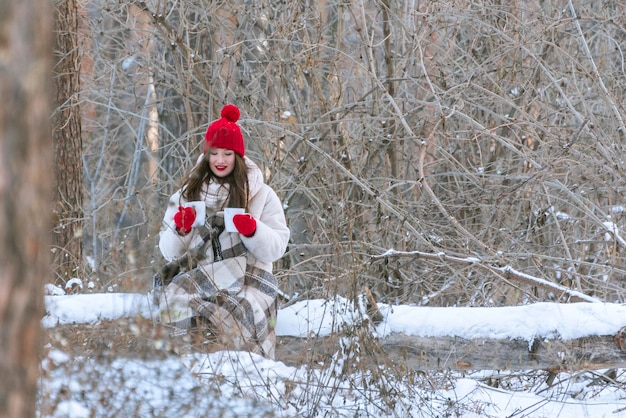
(230, 113)
(224, 132)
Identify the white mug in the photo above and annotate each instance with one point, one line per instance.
(200, 207)
(228, 218)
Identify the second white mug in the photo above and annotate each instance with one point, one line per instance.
(228, 218)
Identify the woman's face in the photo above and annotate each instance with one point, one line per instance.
(221, 161)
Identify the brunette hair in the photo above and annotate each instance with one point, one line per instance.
(237, 181)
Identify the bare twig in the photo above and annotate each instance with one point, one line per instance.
(506, 272)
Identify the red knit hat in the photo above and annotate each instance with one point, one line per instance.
(224, 132)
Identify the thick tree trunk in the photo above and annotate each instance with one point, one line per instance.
(25, 196)
(67, 233)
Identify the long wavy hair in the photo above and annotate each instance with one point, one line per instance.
(237, 180)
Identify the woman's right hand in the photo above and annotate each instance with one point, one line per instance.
(184, 219)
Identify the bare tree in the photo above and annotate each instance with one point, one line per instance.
(25, 196)
(471, 128)
(66, 134)
(442, 153)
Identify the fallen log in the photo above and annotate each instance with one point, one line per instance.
(128, 338)
(454, 353)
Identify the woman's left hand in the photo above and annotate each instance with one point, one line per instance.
(245, 224)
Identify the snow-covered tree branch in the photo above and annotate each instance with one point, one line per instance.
(506, 272)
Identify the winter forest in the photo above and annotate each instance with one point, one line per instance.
(430, 154)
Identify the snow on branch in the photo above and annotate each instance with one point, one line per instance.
(510, 273)
(504, 272)
(612, 228)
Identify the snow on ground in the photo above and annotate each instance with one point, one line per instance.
(321, 317)
(242, 384)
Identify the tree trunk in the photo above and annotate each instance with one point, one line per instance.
(25, 195)
(67, 233)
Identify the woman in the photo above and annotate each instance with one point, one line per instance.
(218, 279)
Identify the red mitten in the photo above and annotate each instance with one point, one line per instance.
(245, 224)
(184, 218)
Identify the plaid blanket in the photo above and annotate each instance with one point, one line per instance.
(239, 307)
